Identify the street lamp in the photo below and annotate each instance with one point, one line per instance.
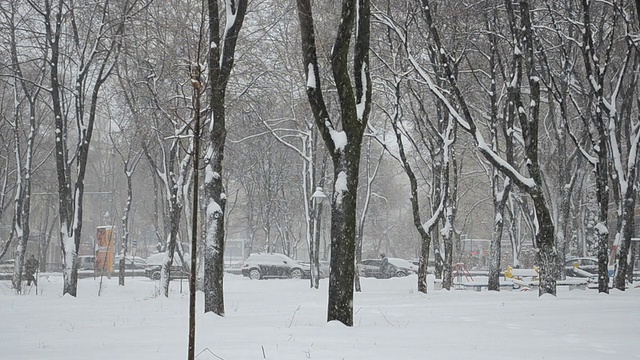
(317, 197)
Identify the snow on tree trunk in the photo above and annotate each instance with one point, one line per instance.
(24, 161)
(523, 36)
(499, 194)
(221, 59)
(75, 94)
(214, 238)
(427, 228)
(495, 246)
(125, 220)
(343, 144)
(343, 235)
(447, 234)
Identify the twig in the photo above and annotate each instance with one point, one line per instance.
(293, 317)
(385, 317)
(210, 352)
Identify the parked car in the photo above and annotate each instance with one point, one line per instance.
(273, 265)
(153, 267)
(404, 265)
(130, 262)
(325, 268)
(397, 268)
(86, 262)
(6, 266)
(580, 266)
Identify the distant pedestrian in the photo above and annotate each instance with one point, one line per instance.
(30, 268)
(384, 266)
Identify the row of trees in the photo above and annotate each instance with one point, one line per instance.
(533, 94)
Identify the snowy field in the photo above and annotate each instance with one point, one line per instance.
(284, 319)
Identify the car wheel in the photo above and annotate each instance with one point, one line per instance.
(254, 274)
(401, 274)
(296, 274)
(156, 275)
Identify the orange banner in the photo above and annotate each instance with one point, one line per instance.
(104, 250)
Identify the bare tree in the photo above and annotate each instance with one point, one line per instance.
(425, 229)
(26, 88)
(221, 59)
(371, 171)
(609, 79)
(304, 142)
(342, 143)
(523, 59)
(130, 159)
(91, 35)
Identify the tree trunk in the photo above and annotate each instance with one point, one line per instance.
(496, 240)
(344, 145)
(626, 233)
(343, 235)
(221, 59)
(125, 221)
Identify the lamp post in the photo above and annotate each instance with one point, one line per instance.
(317, 197)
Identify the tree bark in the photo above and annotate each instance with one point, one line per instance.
(221, 59)
(343, 145)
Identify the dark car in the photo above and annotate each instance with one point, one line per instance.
(273, 265)
(371, 268)
(153, 268)
(176, 272)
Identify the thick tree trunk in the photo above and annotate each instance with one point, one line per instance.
(601, 231)
(221, 59)
(447, 269)
(545, 245)
(343, 145)
(343, 235)
(423, 264)
(495, 246)
(626, 233)
(215, 200)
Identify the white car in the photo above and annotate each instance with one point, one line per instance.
(404, 265)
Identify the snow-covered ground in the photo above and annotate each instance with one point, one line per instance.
(284, 319)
